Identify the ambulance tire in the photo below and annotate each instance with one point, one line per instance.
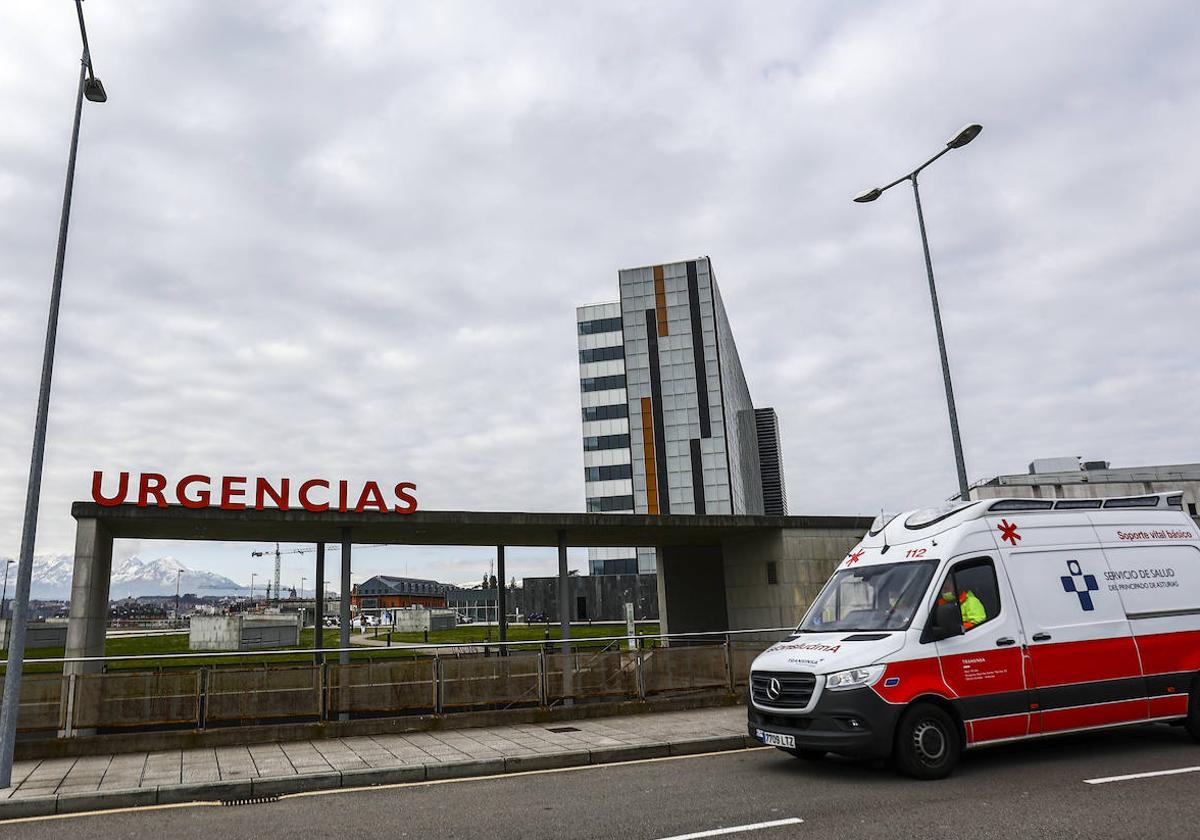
(927, 743)
(808, 755)
(1192, 723)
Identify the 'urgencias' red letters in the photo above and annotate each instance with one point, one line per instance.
(233, 493)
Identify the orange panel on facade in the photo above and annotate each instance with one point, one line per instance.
(648, 451)
(660, 300)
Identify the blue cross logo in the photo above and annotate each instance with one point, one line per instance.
(1070, 584)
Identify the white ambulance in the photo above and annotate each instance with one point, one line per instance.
(987, 622)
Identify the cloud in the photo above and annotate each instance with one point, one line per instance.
(348, 239)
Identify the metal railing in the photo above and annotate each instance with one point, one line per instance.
(407, 679)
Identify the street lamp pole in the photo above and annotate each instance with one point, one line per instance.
(90, 87)
(4, 592)
(962, 138)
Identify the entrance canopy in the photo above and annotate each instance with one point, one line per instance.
(442, 527)
(713, 572)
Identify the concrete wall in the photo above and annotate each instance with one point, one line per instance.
(37, 634)
(215, 632)
(276, 631)
(415, 621)
(804, 561)
(605, 596)
(241, 632)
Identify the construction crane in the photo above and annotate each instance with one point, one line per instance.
(277, 554)
(308, 550)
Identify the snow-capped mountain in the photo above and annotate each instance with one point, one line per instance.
(131, 576)
(135, 576)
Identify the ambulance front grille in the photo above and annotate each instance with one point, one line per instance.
(795, 689)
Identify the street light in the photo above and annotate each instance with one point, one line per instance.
(4, 593)
(964, 136)
(90, 87)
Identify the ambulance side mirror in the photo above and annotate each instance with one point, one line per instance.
(945, 621)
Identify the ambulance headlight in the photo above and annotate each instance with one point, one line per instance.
(854, 678)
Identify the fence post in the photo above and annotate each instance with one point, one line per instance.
(326, 690)
(729, 664)
(200, 698)
(543, 691)
(641, 674)
(69, 723)
(439, 676)
(205, 691)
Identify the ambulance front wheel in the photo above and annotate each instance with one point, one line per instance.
(1192, 723)
(927, 742)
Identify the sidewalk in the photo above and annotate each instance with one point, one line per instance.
(65, 785)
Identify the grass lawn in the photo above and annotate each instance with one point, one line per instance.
(479, 633)
(178, 643)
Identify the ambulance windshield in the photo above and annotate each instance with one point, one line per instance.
(876, 597)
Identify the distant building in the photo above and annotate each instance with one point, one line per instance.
(668, 423)
(387, 592)
(384, 592)
(594, 597)
(1047, 479)
(478, 604)
(770, 459)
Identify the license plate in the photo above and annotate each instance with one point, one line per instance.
(773, 740)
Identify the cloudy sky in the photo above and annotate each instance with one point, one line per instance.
(347, 239)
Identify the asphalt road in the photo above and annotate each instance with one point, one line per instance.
(1035, 789)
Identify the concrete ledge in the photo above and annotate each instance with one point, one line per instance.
(462, 769)
(299, 783)
(204, 791)
(692, 746)
(608, 755)
(383, 776)
(546, 761)
(72, 803)
(113, 744)
(28, 806)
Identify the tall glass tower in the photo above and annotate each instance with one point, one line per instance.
(668, 423)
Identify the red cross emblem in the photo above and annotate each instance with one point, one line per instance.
(1008, 531)
(855, 557)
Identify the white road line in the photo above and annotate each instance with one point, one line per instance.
(1108, 779)
(735, 829)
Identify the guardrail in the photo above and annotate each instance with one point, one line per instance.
(383, 682)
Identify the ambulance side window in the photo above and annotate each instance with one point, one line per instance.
(974, 584)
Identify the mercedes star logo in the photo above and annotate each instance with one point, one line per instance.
(774, 688)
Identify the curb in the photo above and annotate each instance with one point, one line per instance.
(73, 803)
(547, 761)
